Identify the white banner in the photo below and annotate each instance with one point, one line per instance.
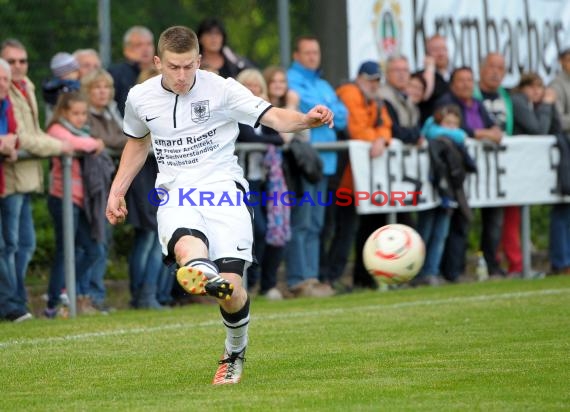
(522, 170)
(529, 33)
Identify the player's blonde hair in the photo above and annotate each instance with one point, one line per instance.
(177, 39)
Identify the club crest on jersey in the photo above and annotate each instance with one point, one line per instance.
(200, 111)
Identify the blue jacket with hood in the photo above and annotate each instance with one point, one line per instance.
(313, 90)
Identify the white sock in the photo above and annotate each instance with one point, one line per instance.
(236, 328)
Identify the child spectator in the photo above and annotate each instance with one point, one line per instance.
(69, 123)
(65, 70)
(433, 224)
(446, 122)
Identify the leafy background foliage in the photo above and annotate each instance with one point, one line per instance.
(47, 27)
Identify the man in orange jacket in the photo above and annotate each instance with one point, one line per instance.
(368, 120)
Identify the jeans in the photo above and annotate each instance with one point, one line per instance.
(164, 286)
(19, 237)
(145, 265)
(302, 251)
(433, 227)
(97, 290)
(10, 302)
(87, 251)
(492, 222)
(560, 237)
(453, 262)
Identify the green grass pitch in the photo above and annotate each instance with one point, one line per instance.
(494, 346)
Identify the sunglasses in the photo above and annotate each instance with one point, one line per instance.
(14, 61)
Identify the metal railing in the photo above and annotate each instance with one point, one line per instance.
(241, 150)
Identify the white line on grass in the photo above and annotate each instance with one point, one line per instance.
(282, 315)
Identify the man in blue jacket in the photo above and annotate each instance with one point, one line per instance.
(302, 256)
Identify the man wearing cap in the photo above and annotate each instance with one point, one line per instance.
(23, 177)
(366, 121)
(302, 254)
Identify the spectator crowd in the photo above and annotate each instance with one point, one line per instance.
(438, 107)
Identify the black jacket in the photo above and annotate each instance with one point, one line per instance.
(247, 134)
(408, 135)
(125, 75)
(449, 167)
(427, 107)
(97, 170)
(301, 160)
(563, 176)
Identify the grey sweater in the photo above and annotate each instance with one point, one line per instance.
(561, 84)
(532, 120)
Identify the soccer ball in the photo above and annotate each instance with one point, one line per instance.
(394, 254)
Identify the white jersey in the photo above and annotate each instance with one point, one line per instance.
(193, 135)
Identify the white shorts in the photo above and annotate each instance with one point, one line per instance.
(218, 211)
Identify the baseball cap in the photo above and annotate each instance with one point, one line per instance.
(370, 70)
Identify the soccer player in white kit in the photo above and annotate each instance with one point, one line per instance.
(191, 118)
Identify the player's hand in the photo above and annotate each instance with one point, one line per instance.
(318, 116)
(116, 209)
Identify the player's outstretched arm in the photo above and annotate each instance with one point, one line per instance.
(132, 160)
(285, 120)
